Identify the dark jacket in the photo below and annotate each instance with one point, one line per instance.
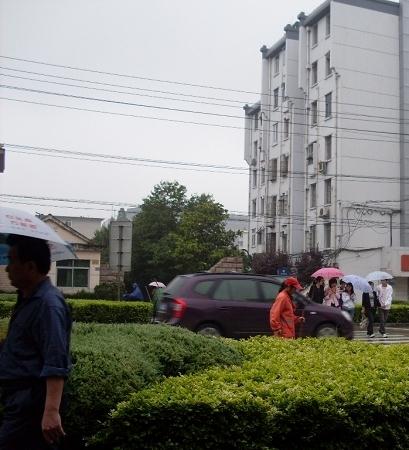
(316, 294)
(366, 303)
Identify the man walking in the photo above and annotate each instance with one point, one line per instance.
(34, 360)
(370, 303)
(384, 291)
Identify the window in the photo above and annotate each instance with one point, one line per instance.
(269, 290)
(254, 208)
(277, 65)
(256, 122)
(327, 235)
(284, 243)
(313, 195)
(275, 100)
(262, 206)
(273, 169)
(310, 153)
(255, 145)
(314, 113)
(328, 105)
(274, 207)
(328, 64)
(314, 73)
(239, 290)
(253, 237)
(314, 37)
(263, 175)
(73, 273)
(327, 192)
(260, 237)
(204, 287)
(328, 147)
(286, 128)
(283, 205)
(271, 244)
(284, 165)
(327, 25)
(254, 178)
(283, 91)
(313, 237)
(275, 133)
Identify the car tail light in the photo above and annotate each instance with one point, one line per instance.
(179, 307)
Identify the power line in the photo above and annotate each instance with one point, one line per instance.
(162, 108)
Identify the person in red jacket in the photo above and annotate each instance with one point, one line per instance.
(282, 313)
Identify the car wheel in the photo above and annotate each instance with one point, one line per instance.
(327, 330)
(208, 329)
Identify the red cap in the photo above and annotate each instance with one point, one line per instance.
(292, 281)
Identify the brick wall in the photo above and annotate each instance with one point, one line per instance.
(228, 264)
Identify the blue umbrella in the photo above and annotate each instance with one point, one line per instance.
(359, 283)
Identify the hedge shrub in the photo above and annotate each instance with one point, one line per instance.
(302, 394)
(111, 361)
(399, 313)
(109, 311)
(100, 311)
(5, 297)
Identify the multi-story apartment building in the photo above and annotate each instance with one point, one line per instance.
(342, 124)
(274, 151)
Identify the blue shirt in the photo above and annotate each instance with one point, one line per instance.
(38, 340)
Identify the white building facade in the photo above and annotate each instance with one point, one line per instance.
(343, 127)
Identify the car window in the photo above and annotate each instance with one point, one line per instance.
(269, 290)
(244, 290)
(174, 286)
(204, 287)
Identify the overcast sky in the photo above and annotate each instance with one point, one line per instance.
(211, 43)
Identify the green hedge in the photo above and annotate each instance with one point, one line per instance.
(399, 313)
(8, 297)
(100, 311)
(111, 361)
(301, 394)
(109, 311)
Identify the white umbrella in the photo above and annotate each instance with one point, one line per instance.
(378, 275)
(15, 221)
(359, 283)
(157, 284)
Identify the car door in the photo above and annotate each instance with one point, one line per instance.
(236, 299)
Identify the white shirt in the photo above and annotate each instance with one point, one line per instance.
(385, 296)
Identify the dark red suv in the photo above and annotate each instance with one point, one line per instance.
(237, 305)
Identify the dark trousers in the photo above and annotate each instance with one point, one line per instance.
(22, 414)
(383, 317)
(370, 314)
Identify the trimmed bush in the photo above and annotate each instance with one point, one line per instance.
(100, 311)
(8, 297)
(111, 361)
(5, 309)
(109, 311)
(301, 394)
(4, 323)
(399, 313)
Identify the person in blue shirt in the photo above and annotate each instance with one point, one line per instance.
(35, 357)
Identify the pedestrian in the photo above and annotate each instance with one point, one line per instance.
(331, 297)
(370, 303)
(384, 292)
(317, 291)
(342, 285)
(282, 314)
(348, 300)
(34, 360)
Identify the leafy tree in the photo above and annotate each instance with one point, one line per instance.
(201, 239)
(174, 234)
(269, 263)
(101, 240)
(307, 264)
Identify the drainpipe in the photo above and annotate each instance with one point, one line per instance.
(337, 76)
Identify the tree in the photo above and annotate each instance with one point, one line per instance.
(101, 240)
(201, 239)
(159, 216)
(307, 264)
(174, 235)
(269, 263)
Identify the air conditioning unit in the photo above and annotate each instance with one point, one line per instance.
(253, 162)
(322, 167)
(324, 213)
